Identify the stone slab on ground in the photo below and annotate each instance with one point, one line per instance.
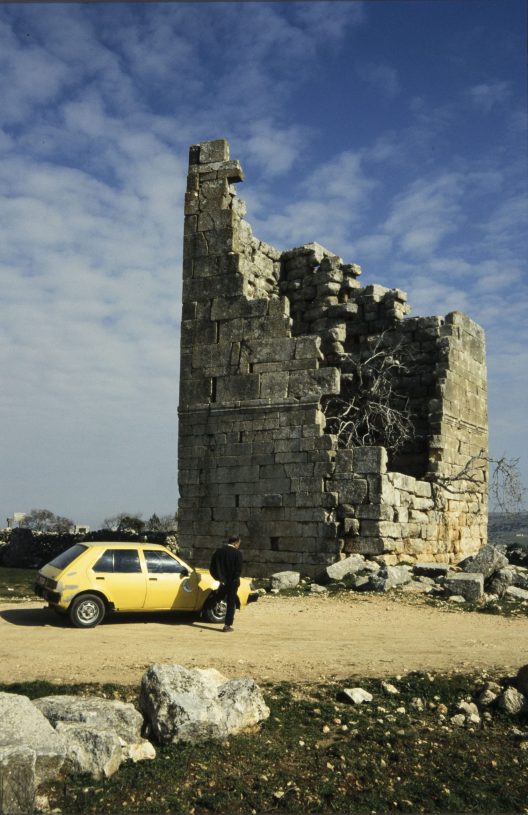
(17, 780)
(467, 585)
(23, 725)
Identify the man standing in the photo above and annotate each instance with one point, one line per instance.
(226, 566)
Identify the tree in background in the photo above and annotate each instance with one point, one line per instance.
(43, 520)
(125, 522)
(167, 523)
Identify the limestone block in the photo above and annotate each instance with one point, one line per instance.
(308, 347)
(314, 382)
(468, 585)
(370, 460)
(25, 726)
(229, 308)
(487, 561)
(352, 491)
(274, 385)
(209, 151)
(285, 580)
(237, 388)
(17, 780)
(433, 570)
(198, 705)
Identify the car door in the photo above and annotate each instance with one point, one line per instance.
(119, 576)
(169, 585)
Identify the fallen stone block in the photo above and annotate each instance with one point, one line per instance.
(23, 725)
(388, 577)
(516, 593)
(285, 580)
(433, 570)
(337, 571)
(513, 701)
(485, 562)
(195, 705)
(99, 733)
(468, 585)
(17, 780)
(499, 582)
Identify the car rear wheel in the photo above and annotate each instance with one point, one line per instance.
(215, 611)
(87, 611)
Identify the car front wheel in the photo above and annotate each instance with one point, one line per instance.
(214, 611)
(87, 611)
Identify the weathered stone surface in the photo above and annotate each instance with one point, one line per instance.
(99, 733)
(268, 332)
(434, 570)
(341, 568)
(513, 701)
(466, 585)
(17, 780)
(355, 695)
(516, 592)
(22, 725)
(388, 577)
(198, 705)
(486, 562)
(285, 580)
(499, 581)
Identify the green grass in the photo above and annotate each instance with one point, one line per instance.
(318, 755)
(17, 583)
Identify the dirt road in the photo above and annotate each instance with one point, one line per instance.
(299, 639)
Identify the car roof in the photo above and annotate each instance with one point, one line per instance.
(124, 544)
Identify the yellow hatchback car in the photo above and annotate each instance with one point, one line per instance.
(90, 579)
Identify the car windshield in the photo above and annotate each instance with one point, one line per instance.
(65, 558)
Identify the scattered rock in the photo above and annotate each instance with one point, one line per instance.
(17, 780)
(489, 693)
(431, 570)
(315, 588)
(513, 701)
(516, 592)
(500, 581)
(23, 725)
(285, 580)
(456, 598)
(390, 576)
(459, 720)
(336, 571)
(355, 695)
(486, 562)
(390, 689)
(417, 703)
(470, 711)
(469, 585)
(99, 733)
(195, 705)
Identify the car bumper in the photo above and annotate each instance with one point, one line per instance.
(47, 594)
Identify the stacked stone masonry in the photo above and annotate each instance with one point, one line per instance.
(266, 338)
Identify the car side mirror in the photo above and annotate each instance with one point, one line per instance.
(184, 572)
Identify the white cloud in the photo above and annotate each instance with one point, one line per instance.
(487, 95)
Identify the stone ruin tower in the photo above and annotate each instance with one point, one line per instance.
(268, 339)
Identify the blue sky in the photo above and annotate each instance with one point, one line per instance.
(394, 133)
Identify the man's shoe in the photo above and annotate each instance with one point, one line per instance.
(228, 628)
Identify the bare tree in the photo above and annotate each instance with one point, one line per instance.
(506, 490)
(43, 520)
(370, 410)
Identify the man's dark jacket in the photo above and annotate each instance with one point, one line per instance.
(226, 564)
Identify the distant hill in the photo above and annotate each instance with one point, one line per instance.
(506, 529)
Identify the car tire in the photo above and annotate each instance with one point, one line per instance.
(87, 611)
(214, 611)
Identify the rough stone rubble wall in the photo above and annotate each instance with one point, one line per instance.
(265, 336)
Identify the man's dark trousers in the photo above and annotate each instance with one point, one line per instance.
(228, 591)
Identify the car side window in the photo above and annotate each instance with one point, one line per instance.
(161, 562)
(118, 560)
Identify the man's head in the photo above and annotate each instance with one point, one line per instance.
(234, 540)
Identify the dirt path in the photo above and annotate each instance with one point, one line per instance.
(277, 638)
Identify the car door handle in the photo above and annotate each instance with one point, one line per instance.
(99, 578)
(153, 578)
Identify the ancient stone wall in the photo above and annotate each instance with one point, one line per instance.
(267, 339)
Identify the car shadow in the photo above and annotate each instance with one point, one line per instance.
(46, 617)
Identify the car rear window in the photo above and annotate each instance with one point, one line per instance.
(118, 560)
(67, 557)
